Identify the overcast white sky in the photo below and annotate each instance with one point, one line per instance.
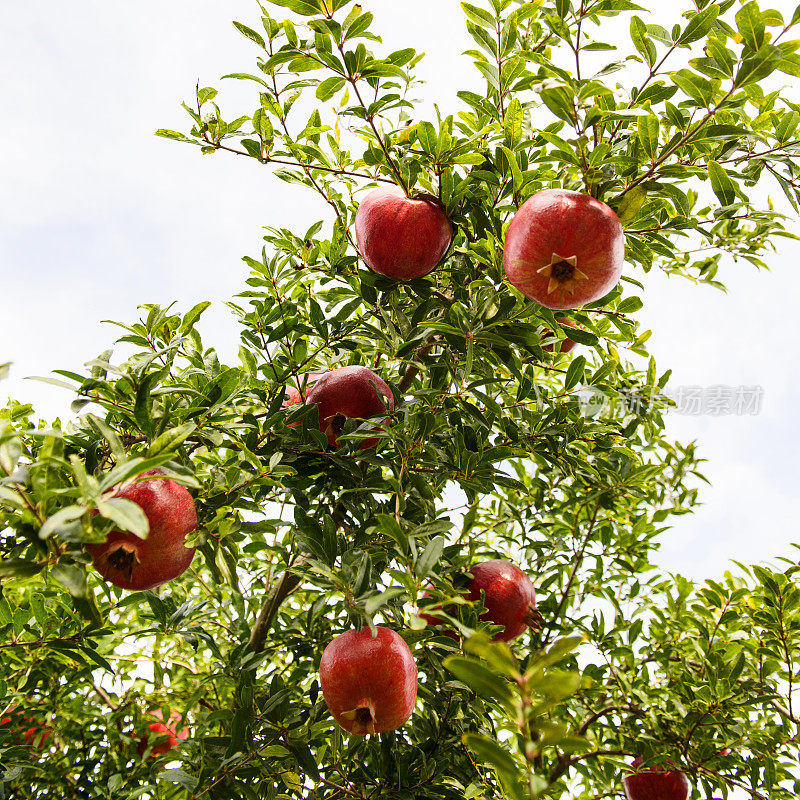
(98, 215)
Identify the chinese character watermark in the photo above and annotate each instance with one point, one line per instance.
(692, 401)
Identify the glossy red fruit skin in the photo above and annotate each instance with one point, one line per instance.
(175, 730)
(655, 784)
(570, 225)
(510, 598)
(292, 395)
(401, 237)
(162, 556)
(357, 671)
(349, 392)
(567, 345)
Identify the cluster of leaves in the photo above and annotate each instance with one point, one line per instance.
(492, 451)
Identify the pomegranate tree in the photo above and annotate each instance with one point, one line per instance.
(350, 392)
(399, 236)
(128, 561)
(369, 682)
(564, 249)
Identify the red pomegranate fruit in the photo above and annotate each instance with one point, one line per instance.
(369, 684)
(401, 237)
(567, 345)
(655, 784)
(509, 597)
(564, 249)
(436, 621)
(350, 392)
(133, 563)
(34, 736)
(294, 394)
(174, 730)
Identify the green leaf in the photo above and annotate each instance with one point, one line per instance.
(131, 469)
(648, 130)
(306, 8)
(513, 123)
(19, 568)
(72, 578)
(478, 15)
(430, 557)
(641, 40)
(379, 600)
(491, 753)
(630, 205)
(175, 135)
(250, 34)
(105, 430)
(750, 24)
(179, 777)
(575, 372)
(699, 25)
(126, 514)
(60, 519)
(329, 87)
(363, 578)
(724, 188)
(516, 172)
(193, 315)
(170, 439)
(479, 678)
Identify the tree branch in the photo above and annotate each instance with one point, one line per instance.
(285, 585)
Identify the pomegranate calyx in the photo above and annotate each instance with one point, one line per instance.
(362, 717)
(533, 618)
(335, 426)
(563, 273)
(123, 558)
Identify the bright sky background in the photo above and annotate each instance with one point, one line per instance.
(98, 215)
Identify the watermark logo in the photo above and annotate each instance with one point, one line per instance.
(718, 400)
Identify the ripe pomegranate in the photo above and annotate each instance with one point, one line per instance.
(350, 392)
(436, 621)
(34, 736)
(401, 237)
(133, 563)
(564, 249)
(175, 730)
(567, 345)
(369, 684)
(655, 784)
(510, 598)
(293, 395)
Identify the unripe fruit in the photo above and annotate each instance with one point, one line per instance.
(510, 598)
(347, 392)
(175, 730)
(133, 563)
(564, 249)
(369, 684)
(655, 784)
(399, 236)
(567, 345)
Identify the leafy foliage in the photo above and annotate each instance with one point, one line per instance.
(492, 451)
